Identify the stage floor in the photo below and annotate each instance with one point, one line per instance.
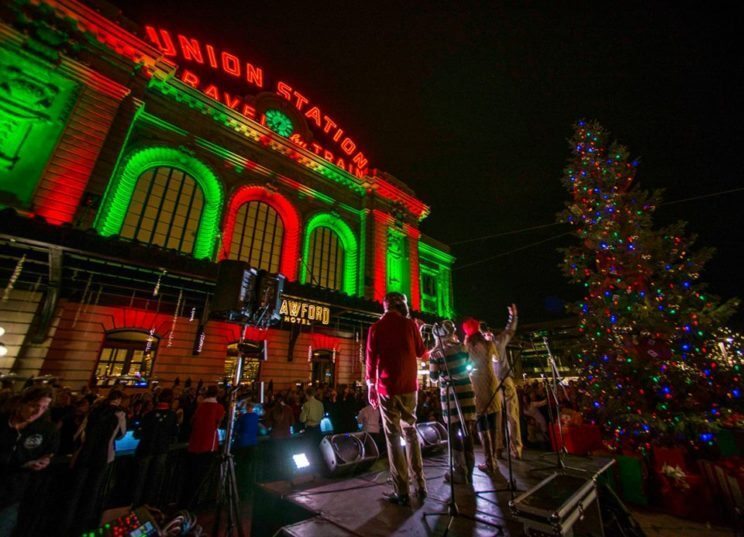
(343, 507)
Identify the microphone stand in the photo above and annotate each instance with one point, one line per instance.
(452, 510)
(511, 484)
(551, 392)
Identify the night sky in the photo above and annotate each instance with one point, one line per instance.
(471, 105)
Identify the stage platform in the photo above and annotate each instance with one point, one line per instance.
(353, 506)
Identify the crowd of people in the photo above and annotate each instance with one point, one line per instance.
(77, 431)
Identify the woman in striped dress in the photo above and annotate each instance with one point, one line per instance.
(449, 359)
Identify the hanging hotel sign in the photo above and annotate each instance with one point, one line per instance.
(205, 57)
(298, 311)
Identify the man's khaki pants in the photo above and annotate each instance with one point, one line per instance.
(399, 411)
(511, 400)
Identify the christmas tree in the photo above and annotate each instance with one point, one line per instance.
(650, 368)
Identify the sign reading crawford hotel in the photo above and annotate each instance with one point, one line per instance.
(297, 311)
(206, 58)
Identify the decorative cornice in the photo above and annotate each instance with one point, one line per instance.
(427, 251)
(255, 132)
(388, 191)
(113, 36)
(382, 217)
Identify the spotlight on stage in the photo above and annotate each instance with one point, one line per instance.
(301, 461)
(348, 452)
(302, 469)
(432, 436)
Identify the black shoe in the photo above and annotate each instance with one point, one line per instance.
(397, 499)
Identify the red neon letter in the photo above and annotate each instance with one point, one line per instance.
(348, 146)
(189, 78)
(285, 90)
(297, 140)
(230, 64)
(341, 164)
(190, 48)
(248, 111)
(359, 160)
(166, 45)
(212, 92)
(338, 134)
(301, 100)
(232, 103)
(327, 155)
(254, 75)
(314, 114)
(316, 148)
(328, 124)
(211, 56)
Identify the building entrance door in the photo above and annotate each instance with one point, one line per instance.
(324, 370)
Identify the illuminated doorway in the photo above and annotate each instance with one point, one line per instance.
(253, 352)
(324, 368)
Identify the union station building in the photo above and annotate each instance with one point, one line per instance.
(134, 159)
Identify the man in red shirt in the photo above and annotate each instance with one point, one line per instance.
(393, 348)
(203, 441)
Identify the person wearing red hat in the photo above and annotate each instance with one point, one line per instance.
(485, 385)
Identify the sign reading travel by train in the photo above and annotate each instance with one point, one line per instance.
(205, 58)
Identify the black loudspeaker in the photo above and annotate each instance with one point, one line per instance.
(235, 293)
(432, 436)
(268, 298)
(345, 453)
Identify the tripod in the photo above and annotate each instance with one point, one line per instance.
(511, 484)
(452, 510)
(551, 392)
(227, 486)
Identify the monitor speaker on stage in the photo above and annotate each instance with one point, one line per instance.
(235, 293)
(432, 436)
(348, 452)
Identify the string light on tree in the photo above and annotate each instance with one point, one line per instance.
(647, 323)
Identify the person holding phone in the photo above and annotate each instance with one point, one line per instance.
(27, 444)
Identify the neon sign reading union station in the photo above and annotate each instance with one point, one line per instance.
(345, 155)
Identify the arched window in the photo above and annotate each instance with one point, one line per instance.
(257, 236)
(160, 182)
(325, 262)
(330, 254)
(165, 209)
(127, 357)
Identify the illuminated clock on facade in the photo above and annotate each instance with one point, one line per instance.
(279, 122)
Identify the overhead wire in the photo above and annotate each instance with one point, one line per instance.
(553, 224)
(554, 237)
(509, 252)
